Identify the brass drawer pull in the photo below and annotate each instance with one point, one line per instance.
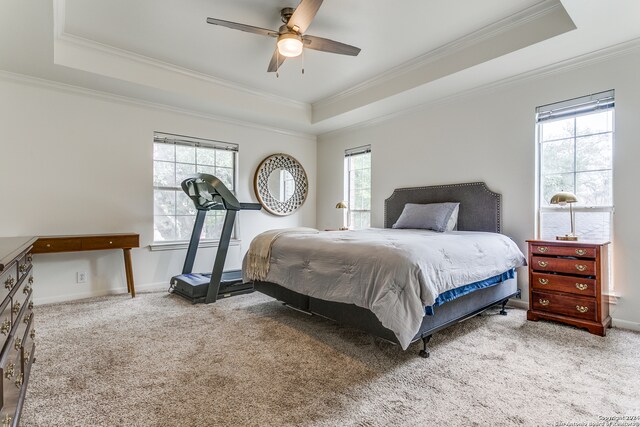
(544, 301)
(26, 289)
(543, 281)
(29, 258)
(7, 420)
(27, 319)
(18, 343)
(31, 280)
(582, 286)
(9, 283)
(33, 334)
(11, 369)
(6, 327)
(16, 307)
(581, 267)
(582, 308)
(19, 380)
(543, 263)
(581, 251)
(30, 305)
(27, 356)
(22, 268)
(542, 249)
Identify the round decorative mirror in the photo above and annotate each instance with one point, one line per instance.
(281, 184)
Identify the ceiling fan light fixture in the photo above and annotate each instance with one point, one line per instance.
(290, 45)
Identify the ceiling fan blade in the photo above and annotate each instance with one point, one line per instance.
(273, 67)
(243, 27)
(303, 15)
(326, 45)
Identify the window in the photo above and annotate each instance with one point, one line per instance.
(174, 159)
(575, 146)
(357, 166)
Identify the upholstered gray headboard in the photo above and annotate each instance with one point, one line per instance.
(479, 206)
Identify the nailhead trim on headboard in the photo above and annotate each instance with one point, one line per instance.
(422, 194)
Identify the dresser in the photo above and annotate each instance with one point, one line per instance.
(17, 331)
(566, 280)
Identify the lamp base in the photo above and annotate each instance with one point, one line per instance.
(567, 237)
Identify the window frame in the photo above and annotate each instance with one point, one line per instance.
(574, 108)
(348, 155)
(175, 139)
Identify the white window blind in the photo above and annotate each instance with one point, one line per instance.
(175, 157)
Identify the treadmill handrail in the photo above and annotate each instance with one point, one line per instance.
(214, 189)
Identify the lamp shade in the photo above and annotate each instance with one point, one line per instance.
(341, 205)
(289, 45)
(562, 198)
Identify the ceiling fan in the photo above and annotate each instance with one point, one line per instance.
(291, 37)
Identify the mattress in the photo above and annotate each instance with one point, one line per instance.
(393, 273)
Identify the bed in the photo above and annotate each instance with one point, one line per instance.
(479, 212)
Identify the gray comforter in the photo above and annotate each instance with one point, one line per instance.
(394, 273)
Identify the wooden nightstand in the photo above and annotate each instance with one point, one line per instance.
(566, 280)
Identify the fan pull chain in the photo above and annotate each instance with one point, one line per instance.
(277, 63)
(303, 61)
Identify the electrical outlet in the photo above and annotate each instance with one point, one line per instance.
(81, 277)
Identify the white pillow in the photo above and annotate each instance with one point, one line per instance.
(453, 219)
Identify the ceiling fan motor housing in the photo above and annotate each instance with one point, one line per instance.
(285, 14)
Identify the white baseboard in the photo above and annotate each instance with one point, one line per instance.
(98, 293)
(518, 303)
(625, 324)
(616, 323)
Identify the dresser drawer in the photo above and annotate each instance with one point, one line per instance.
(27, 344)
(8, 279)
(583, 308)
(106, 242)
(44, 245)
(12, 378)
(541, 249)
(556, 282)
(563, 265)
(6, 322)
(24, 264)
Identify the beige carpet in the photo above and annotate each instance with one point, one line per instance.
(157, 360)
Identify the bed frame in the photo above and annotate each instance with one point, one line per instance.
(479, 211)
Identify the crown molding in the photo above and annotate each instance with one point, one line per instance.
(59, 17)
(581, 61)
(78, 90)
(60, 33)
(532, 13)
(130, 56)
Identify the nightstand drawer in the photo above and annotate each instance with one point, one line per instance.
(564, 265)
(583, 308)
(541, 249)
(555, 282)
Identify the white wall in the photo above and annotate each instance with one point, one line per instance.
(489, 136)
(72, 163)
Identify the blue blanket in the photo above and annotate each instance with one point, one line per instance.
(458, 292)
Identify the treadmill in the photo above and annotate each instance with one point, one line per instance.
(209, 193)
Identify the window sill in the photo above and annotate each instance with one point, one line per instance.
(172, 246)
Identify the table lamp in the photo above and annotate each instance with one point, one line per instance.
(562, 199)
(342, 205)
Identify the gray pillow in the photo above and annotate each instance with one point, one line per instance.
(432, 216)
